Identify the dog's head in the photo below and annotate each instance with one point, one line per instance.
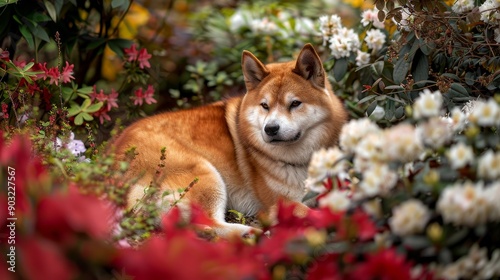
(289, 107)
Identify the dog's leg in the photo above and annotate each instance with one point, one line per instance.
(210, 194)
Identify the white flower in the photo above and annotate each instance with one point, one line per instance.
(336, 200)
(460, 155)
(379, 179)
(354, 131)
(375, 39)
(461, 6)
(329, 25)
(304, 26)
(485, 113)
(239, 20)
(493, 194)
(405, 145)
(458, 119)
(371, 149)
(466, 204)
(435, 132)
(488, 11)
(371, 16)
(344, 42)
(324, 163)
(489, 165)
(428, 104)
(410, 217)
(362, 58)
(263, 26)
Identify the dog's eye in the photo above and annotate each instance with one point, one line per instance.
(264, 105)
(295, 104)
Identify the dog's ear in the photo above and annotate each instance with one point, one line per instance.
(309, 66)
(253, 70)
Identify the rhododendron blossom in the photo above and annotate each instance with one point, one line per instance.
(146, 96)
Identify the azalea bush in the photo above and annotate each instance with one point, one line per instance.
(410, 192)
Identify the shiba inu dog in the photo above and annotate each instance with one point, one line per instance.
(247, 152)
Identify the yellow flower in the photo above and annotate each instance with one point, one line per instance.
(360, 3)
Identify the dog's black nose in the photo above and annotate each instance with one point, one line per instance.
(272, 129)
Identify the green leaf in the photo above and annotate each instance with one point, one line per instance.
(86, 116)
(117, 45)
(340, 69)
(51, 9)
(459, 89)
(85, 90)
(94, 107)
(400, 70)
(389, 109)
(86, 103)
(7, 2)
(78, 119)
(371, 108)
(366, 98)
(420, 67)
(41, 33)
(27, 36)
(118, 3)
(74, 110)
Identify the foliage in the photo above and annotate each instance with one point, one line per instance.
(411, 192)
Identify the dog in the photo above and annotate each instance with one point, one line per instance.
(247, 152)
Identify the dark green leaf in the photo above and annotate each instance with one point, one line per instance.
(51, 9)
(371, 108)
(389, 109)
(340, 68)
(27, 36)
(117, 45)
(41, 33)
(400, 70)
(367, 98)
(420, 67)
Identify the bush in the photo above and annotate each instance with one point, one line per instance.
(411, 191)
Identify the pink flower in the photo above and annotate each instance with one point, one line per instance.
(101, 97)
(4, 55)
(111, 99)
(147, 96)
(143, 59)
(131, 53)
(53, 74)
(67, 73)
(42, 68)
(5, 110)
(102, 114)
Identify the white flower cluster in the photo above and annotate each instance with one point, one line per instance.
(410, 217)
(269, 26)
(375, 39)
(461, 6)
(485, 113)
(371, 16)
(489, 165)
(470, 204)
(489, 12)
(343, 41)
(336, 200)
(324, 163)
(428, 104)
(474, 265)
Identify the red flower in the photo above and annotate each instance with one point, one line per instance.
(143, 59)
(4, 55)
(42, 259)
(102, 114)
(325, 268)
(62, 216)
(385, 264)
(141, 97)
(67, 73)
(5, 110)
(132, 53)
(358, 225)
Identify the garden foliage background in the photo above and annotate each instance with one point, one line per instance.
(412, 191)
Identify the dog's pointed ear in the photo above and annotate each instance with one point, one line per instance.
(253, 70)
(309, 66)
